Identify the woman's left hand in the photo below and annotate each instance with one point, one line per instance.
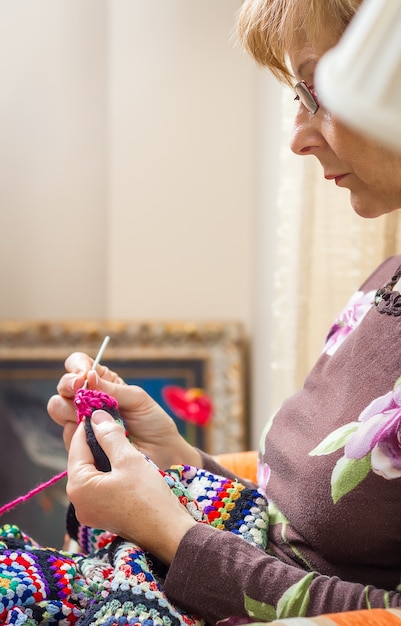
(132, 500)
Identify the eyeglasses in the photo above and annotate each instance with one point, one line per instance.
(307, 96)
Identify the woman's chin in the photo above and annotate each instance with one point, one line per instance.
(371, 207)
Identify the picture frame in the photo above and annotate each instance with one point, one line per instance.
(207, 355)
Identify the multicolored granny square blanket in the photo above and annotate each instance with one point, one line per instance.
(113, 582)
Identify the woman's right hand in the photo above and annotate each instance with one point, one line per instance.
(151, 429)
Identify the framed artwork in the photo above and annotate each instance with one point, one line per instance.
(206, 355)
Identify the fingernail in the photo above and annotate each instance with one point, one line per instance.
(100, 416)
(93, 376)
(73, 381)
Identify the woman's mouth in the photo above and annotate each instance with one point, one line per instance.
(336, 177)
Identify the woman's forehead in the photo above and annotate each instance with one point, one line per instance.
(304, 49)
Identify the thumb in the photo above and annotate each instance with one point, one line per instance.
(100, 417)
(106, 437)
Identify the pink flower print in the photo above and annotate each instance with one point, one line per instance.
(380, 434)
(373, 443)
(349, 318)
(263, 477)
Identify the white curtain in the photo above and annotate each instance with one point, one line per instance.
(323, 252)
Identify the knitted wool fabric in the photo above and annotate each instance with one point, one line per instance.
(113, 582)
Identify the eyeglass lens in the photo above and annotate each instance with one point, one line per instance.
(306, 97)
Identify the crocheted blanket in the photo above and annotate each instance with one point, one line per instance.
(113, 581)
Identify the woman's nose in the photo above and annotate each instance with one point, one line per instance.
(306, 137)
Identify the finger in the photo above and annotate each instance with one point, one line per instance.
(129, 397)
(78, 363)
(79, 453)
(69, 384)
(61, 410)
(107, 374)
(68, 433)
(111, 436)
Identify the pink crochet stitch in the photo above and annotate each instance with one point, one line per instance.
(88, 400)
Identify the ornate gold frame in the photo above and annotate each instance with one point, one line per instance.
(220, 346)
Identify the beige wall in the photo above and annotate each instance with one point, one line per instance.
(137, 159)
(182, 168)
(53, 158)
(127, 159)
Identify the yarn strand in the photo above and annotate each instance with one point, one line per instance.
(32, 493)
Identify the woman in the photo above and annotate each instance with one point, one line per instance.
(330, 460)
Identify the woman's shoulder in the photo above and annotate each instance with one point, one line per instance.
(383, 273)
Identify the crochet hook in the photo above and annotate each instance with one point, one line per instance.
(98, 358)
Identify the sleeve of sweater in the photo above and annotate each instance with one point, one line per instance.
(214, 570)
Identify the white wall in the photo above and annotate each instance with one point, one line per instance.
(53, 157)
(182, 169)
(137, 165)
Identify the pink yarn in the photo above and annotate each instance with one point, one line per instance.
(33, 492)
(87, 400)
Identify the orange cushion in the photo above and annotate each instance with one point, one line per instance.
(243, 464)
(371, 617)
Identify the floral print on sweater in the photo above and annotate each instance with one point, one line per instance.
(373, 443)
(348, 320)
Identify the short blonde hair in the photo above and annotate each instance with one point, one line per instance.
(266, 28)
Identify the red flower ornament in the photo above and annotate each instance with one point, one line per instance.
(191, 405)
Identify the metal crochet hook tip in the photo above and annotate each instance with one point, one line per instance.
(98, 358)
